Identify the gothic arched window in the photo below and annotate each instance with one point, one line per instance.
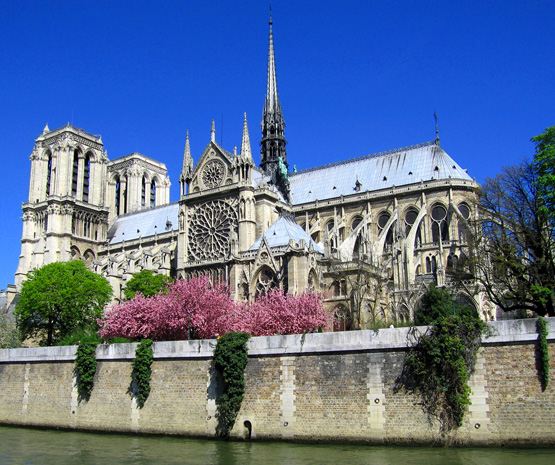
(440, 225)
(266, 281)
(465, 212)
(382, 223)
(143, 192)
(86, 174)
(152, 194)
(75, 173)
(49, 174)
(118, 193)
(341, 318)
(124, 196)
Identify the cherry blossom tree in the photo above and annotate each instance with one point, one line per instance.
(201, 309)
(194, 306)
(279, 313)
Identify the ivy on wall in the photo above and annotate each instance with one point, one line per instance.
(85, 369)
(142, 370)
(542, 352)
(230, 360)
(439, 366)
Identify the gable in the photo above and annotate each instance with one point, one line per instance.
(214, 169)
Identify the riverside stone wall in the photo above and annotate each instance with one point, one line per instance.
(316, 387)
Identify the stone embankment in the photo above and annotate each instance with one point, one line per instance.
(314, 387)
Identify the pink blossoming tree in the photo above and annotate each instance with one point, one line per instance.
(205, 309)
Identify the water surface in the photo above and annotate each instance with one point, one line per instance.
(48, 447)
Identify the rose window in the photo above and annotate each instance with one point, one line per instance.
(211, 227)
(213, 174)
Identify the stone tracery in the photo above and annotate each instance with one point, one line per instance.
(211, 226)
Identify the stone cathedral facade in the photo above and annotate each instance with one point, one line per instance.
(371, 232)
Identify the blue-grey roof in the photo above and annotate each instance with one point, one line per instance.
(383, 170)
(282, 231)
(145, 223)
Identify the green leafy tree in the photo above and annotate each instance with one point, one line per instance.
(146, 282)
(544, 163)
(438, 303)
(60, 298)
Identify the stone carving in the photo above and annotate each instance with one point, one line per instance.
(211, 226)
(213, 173)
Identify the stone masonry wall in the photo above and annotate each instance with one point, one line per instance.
(317, 387)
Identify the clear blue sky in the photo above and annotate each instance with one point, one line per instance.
(354, 77)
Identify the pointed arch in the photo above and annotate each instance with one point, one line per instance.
(75, 172)
(265, 280)
(153, 193)
(341, 318)
(86, 176)
(48, 172)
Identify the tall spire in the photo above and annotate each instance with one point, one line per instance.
(213, 132)
(273, 155)
(272, 98)
(245, 142)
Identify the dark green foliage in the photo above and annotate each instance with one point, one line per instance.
(544, 163)
(142, 370)
(439, 365)
(230, 360)
(437, 303)
(59, 299)
(10, 337)
(542, 353)
(89, 335)
(85, 368)
(147, 283)
(80, 336)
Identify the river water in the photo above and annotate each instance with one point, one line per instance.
(42, 447)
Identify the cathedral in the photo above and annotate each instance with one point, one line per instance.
(371, 233)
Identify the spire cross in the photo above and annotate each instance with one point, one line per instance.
(437, 127)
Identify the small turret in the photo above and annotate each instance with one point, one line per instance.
(187, 169)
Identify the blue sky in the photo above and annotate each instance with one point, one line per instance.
(354, 77)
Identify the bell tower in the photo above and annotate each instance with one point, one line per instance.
(65, 216)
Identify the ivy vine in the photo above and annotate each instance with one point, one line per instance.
(439, 366)
(85, 369)
(142, 370)
(230, 359)
(542, 352)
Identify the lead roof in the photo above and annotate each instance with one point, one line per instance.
(407, 165)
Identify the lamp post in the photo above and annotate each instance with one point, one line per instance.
(188, 326)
